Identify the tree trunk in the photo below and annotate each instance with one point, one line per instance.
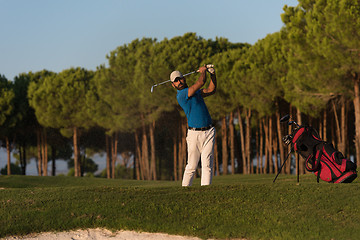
(139, 172)
(38, 135)
(357, 116)
(266, 131)
(261, 169)
(288, 162)
(325, 126)
(242, 142)
(22, 157)
(300, 160)
(44, 172)
(153, 157)
(321, 128)
(114, 146)
(45, 169)
(53, 158)
(337, 126)
(275, 148)
(8, 156)
(24, 160)
(270, 146)
(216, 153)
(76, 153)
(108, 156)
(280, 137)
(180, 159)
(232, 142)
(145, 153)
(248, 141)
(182, 147)
(175, 157)
(342, 145)
(257, 150)
(224, 145)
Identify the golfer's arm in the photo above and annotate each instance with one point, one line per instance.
(198, 84)
(211, 89)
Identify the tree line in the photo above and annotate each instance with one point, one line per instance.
(309, 69)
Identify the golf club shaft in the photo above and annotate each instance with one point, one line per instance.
(161, 83)
(170, 80)
(152, 88)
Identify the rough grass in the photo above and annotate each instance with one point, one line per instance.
(237, 206)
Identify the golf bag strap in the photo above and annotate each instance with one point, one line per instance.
(314, 159)
(319, 148)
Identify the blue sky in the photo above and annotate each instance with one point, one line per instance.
(59, 34)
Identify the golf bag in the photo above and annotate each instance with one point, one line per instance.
(321, 157)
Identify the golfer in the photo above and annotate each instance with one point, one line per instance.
(201, 132)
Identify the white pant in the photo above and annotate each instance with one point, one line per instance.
(200, 146)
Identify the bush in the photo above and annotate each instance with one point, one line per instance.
(121, 172)
(14, 169)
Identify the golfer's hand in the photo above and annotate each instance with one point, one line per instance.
(202, 69)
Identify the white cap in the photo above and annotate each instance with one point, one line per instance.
(175, 74)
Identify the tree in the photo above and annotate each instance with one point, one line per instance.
(324, 38)
(6, 109)
(60, 102)
(224, 101)
(113, 99)
(6, 96)
(25, 119)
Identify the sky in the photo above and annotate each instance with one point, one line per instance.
(59, 34)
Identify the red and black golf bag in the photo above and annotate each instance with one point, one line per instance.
(321, 157)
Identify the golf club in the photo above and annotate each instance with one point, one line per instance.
(152, 87)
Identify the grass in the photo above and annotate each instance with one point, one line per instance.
(237, 206)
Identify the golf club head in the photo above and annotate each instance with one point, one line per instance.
(285, 118)
(152, 88)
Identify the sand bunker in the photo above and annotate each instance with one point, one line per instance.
(101, 234)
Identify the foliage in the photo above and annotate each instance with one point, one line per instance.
(258, 75)
(226, 98)
(6, 96)
(323, 45)
(59, 100)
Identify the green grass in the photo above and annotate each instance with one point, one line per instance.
(238, 206)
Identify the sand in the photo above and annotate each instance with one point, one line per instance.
(101, 234)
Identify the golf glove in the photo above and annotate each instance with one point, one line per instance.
(211, 70)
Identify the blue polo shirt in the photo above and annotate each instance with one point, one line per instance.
(195, 109)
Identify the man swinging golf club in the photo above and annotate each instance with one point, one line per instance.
(201, 132)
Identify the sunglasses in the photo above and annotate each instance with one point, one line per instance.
(177, 79)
